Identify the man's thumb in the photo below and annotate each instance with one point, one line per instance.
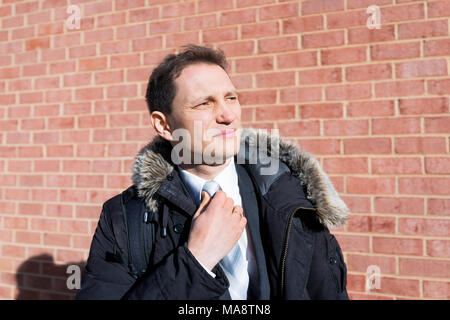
(204, 202)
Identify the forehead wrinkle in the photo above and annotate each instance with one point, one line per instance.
(198, 86)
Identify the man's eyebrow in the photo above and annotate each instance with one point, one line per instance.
(231, 92)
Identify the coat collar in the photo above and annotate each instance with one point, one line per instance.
(153, 165)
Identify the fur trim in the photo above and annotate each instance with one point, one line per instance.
(153, 164)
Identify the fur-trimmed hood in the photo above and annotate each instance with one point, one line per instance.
(153, 164)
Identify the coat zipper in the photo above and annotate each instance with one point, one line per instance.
(285, 248)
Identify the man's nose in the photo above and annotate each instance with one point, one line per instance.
(225, 113)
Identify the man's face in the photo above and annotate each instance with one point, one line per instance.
(206, 105)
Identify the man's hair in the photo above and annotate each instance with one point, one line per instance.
(161, 89)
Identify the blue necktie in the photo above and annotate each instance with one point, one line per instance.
(233, 264)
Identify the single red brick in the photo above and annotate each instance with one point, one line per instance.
(121, 91)
(278, 11)
(275, 79)
(438, 9)
(438, 207)
(278, 44)
(54, 239)
(59, 210)
(415, 11)
(76, 165)
(370, 108)
(367, 146)
(348, 92)
(303, 24)
(165, 26)
(369, 72)
(346, 19)
(275, 113)
(436, 289)
(43, 224)
(320, 146)
(396, 126)
(438, 248)
(421, 145)
(15, 223)
(346, 127)
(439, 47)
(400, 88)
(424, 105)
(397, 246)
(399, 205)
(396, 165)
(437, 165)
(321, 6)
(439, 86)
(296, 60)
(254, 64)
(425, 267)
(240, 48)
(395, 51)
(200, 22)
(238, 16)
(180, 39)
(427, 227)
(323, 39)
(59, 180)
(366, 35)
(355, 4)
(34, 209)
(421, 185)
(318, 76)
(300, 128)
(128, 4)
(214, 5)
(437, 124)
(324, 110)
(423, 68)
(346, 165)
(425, 29)
(379, 185)
(301, 94)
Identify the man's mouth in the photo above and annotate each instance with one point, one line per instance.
(225, 133)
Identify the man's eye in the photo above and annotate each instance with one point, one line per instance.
(203, 104)
(232, 98)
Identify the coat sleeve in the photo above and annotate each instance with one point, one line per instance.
(178, 276)
(328, 272)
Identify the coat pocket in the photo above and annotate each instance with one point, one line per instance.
(337, 264)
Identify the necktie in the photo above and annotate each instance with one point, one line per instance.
(234, 263)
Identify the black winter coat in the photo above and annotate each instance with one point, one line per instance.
(288, 215)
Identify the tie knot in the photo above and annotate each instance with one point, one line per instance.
(211, 187)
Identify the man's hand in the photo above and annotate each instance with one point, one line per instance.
(216, 227)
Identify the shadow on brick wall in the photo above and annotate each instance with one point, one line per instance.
(39, 278)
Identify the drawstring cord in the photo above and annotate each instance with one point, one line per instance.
(165, 218)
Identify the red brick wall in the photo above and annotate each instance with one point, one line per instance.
(372, 105)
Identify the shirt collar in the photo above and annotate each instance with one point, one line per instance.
(226, 179)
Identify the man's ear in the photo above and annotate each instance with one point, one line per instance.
(160, 123)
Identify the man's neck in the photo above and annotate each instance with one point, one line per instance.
(206, 171)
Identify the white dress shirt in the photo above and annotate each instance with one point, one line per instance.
(228, 181)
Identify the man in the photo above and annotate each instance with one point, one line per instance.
(255, 236)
